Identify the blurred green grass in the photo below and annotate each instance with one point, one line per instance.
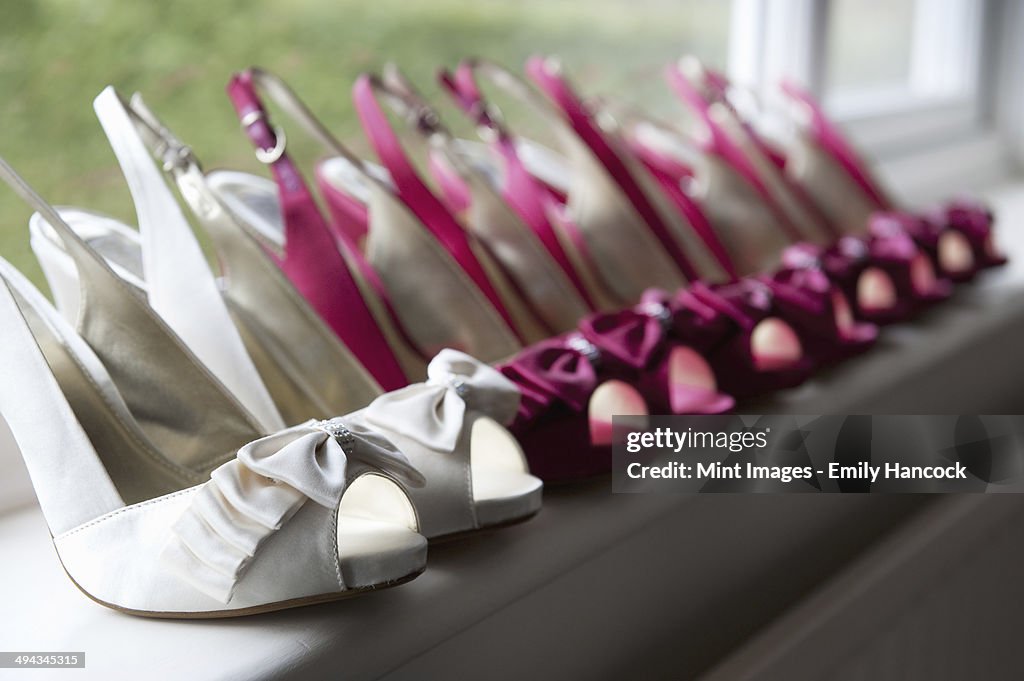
(56, 56)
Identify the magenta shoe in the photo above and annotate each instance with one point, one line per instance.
(624, 363)
(820, 313)
(885, 276)
(956, 237)
(763, 353)
(637, 348)
(976, 223)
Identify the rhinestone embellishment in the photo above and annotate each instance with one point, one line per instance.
(459, 385)
(339, 432)
(657, 311)
(585, 348)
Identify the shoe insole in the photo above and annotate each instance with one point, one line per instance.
(502, 496)
(376, 551)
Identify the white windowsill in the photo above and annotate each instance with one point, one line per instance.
(976, 164)
(597, 584)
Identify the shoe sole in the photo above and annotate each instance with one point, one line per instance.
(253, 610)
(480, 531)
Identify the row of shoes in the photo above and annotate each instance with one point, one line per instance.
(179, 422)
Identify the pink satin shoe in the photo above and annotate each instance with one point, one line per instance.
(830, 177)
(958, 235)
(625, 363)
(547, 296)
(806, 319)
(892, 276)
(591, 155)
(569, 194)
(430, 284)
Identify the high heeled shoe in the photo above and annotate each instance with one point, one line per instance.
(540, 182)
(443, 288)
(825, 174)
(731, 218)
(649, 359)
(310, 514)
(598, 226)
(667, 390)
(476, 475)
(881, 278)
(466, 201)
(286, 339)
(958, 235)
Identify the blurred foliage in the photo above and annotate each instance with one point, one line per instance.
(56, 55)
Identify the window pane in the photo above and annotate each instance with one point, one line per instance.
(869, 44)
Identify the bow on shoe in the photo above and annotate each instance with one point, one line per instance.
(803, 291)
(692, 322)
(889, 238)
(252, 496)
(630, 337)
(745, 302)
(889, 241)
(433, 413)
(925, 229)
(970, 217)
(843, 260)
(559, 370)
(811, 280)
(819, 312)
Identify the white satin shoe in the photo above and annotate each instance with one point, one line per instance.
(450, 427)
(313, 513)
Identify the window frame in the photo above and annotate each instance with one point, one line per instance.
(960, 116)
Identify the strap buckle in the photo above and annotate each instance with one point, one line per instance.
(267, 156)
(175, 155)
(489, 119)
(421, 116)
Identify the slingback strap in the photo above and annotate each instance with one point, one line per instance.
(671, 183)
(180, 405)
(524, 264)
(621, 252)
(70, 481)
(721, 89)
(546, 75)
(720, 144)
(289, 340)
(466, 94)
(219, 535)
(521, 190)
(834, 143)
(179, 284)
(414, 192)
(669, 172)
(316, 260)
(505, 240)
